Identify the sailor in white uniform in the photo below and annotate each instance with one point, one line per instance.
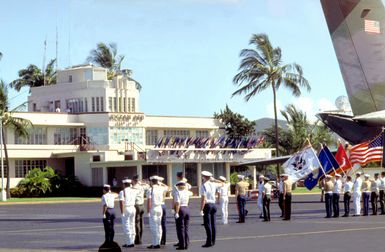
(127, 209)
(154, 207)
(223, 198)
(261, 187)
(108, 203)
(357, 194)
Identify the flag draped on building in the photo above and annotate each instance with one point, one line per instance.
(328, 165)
(368, 151)
(343, 160)
(301, 164)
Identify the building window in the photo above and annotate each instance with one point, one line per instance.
(85, 105)
(110, 104)
(96, 158)
(69, 78)
(177, 133)
(5, 169)
(150, 170)
(97, 176)
(120, 104)
(93, 104)
(190, 172)
(124, 104)
(97, 104)
(151, 137)
(217, 169)
(115, 105)
(22, 167)
(76, 105)
(133, 104)
(129, 104)
(119, 135)
(202, 133)
(101, 104)
(68, 136)
(36, 135)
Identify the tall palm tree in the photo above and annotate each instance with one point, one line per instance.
(262, 68)
(19, 125)
(106, 56)
(32, 76)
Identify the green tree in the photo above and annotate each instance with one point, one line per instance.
(37, 182)
(19, 125)
(262, 68)
(32, 76)
(236, 125)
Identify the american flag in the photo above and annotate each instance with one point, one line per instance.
(372, 26)
(366, 152)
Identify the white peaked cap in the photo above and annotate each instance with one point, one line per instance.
(366, 175)
(222, 178)
(106, 185)
(261, 176)
(126, 181)
(241, 176)
(337, 175)
(154, 177)
(207, 174)
(160, 178)
(328, 176)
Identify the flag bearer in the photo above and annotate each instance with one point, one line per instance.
(182, 214)
(266, 199)
(357, 194)
(208, 208)
(328, 195)
(348, 188)
(154, 207)
(287, 186)
(108, 202)
(240, 192)
(365, 188)
(139, 207)
(374, 186)
(127, 209)
(223, 198)
(382, 194)
(336, 195)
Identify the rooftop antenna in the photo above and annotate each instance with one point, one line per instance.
(57, 46)
(44, 55)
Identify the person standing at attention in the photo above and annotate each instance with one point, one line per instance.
(223, 198)
(108, 203)
(287, 197)
(240, 193)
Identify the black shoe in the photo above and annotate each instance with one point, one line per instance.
(130, 246)
(180, 248)
(265, 220)
(327, 217)
(240, 222)
(124, 246)
(206, 245)
(150, 247)
(286, 219)
(156, 247)
(246, 212)
(336, 216)
(281, 216)
(345, 215)
(176, 245)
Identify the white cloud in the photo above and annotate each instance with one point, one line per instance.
(324, 104)
(305, 104)
(270, 109)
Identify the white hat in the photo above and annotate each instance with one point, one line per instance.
(328, 176)
(126, 181)
(261, 176)
(106, 185)
(160, 178)
(207, 174)
(241, 176)
(285, 175)
(337, 175)
(358, 173)
(266, 178)
(154, 177)
(366, 175)
(222, 178)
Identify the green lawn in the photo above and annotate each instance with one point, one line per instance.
(305, 190)
(48, 199)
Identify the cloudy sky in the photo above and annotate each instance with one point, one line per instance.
(183, 52)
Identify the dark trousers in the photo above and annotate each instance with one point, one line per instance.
(347, 197)
(366, 196)
(328, 204)
(266, 207)
(280, 203)
(373, 200)
(336, 204)
(139, 223)
(241, 200)
(163, 224)
(108, 223)
(182, 225)
(287, 206)
(382, 201)
(209, 212)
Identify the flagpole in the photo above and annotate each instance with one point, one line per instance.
(320, 162)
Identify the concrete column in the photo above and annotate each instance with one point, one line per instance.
(105, 175)
(254, 177)
(199, 177)
(169, 175)
(227, 169)
(139, 171)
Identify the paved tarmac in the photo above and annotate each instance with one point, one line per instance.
(78, 227)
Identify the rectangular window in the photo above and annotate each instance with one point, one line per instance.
(120, 104)
(202, 133)
(69, 78)
(93, 104)
(85, 105)
(129, 104)
(64, 136)
(151, 137)
(36, 135)
(101, 104)
(96, 158)
(190, 172)
(97, 104)
(115, 105)
(97, 176)
(124, 104)
(110, 104)
(177, 133)
(133, 104)
(22, 167)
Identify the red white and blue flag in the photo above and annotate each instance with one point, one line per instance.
(368, 151)
(372, 26)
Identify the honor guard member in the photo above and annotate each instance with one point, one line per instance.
(328, 185)
(287, 185)
(182, 215)
(208, 208)
(348, 188)
(266, 199)
(139, 207)
(164, 211)
(127, 209)
(154, 207)
(381, 188)
(280, 197)
(336, 195)
(365, 189)
(108, 203)
(223, 198)
(240, 192)
(374, 185)
(261, 184)
(357, 194)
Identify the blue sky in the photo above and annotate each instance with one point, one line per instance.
(183, 52)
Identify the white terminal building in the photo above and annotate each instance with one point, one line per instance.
(92, 127)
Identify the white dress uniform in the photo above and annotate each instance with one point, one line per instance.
(261, 187)
(357, 196)
(156, 195)
(224, 201)
(128, 196)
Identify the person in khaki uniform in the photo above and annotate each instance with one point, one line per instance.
(328, 185)
(365, 188)
(287, 185)
(374, 186)
(240, 192)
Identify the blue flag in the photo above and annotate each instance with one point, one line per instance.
(328, 162)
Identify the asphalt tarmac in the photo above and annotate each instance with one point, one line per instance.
(78, 227)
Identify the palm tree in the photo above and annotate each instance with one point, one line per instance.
(106, 56)
(32, 76)
(262, 68)
(19, 125)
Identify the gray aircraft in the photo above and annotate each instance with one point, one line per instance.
(357, 29)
